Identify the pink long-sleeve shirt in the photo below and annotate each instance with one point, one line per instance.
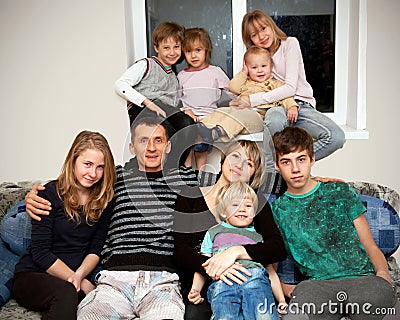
(288, 66)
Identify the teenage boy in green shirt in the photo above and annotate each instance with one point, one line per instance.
(326, 233)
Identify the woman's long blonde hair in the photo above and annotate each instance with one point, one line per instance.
(254, 153)
(101, 193)
(263, 19)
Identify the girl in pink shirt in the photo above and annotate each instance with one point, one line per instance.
(200, 90)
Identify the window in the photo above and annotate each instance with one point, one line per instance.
(347, 87)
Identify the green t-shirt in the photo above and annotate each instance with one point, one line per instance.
(318, 231)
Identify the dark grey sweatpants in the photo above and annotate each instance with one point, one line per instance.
(363, 298)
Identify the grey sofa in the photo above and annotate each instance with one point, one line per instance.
(10, 195)
(13, 193)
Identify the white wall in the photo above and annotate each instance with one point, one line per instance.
(59, 60)
(58, 64)
(375, 159)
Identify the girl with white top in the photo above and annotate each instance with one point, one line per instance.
(260, 30)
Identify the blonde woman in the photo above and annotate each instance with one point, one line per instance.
(196, 211)
(54, 274)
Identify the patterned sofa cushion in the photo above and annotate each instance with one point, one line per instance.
(383, 209)
(384, 223)
(10, 194)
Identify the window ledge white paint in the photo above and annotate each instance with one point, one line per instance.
(350, 134)
(355, 134)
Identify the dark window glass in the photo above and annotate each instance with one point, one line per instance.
(311, 21)
(214, 16)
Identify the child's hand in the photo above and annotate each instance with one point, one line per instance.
(292, 114)
(282, 307)
(155, 108)
(195, 297)
(242, 102)
(245, 70)
(191, 114)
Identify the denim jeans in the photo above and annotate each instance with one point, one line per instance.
(251, 300)
(8, 260)
(328, 136)
(16, 228)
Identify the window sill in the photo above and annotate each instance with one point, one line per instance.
(354, 134)
(350, 134)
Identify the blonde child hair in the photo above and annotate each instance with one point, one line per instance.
(254, 50)
(235, 190)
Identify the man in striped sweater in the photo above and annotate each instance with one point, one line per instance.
(138, 278)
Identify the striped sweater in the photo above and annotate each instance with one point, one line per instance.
(140, 231)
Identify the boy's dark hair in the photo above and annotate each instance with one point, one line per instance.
(200, 34)
(151, 122)
(292, 139)
(167, 30)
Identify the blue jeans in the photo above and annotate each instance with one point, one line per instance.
(251, 300)
(328, 136)
(8, 260)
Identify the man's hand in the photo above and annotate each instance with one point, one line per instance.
(36, 205)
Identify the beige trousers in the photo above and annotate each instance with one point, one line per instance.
(235, 121)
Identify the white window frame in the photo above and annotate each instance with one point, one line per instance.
(350, 56)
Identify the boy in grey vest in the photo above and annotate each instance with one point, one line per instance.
(150, 88)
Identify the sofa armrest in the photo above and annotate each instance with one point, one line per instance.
(11, 193)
